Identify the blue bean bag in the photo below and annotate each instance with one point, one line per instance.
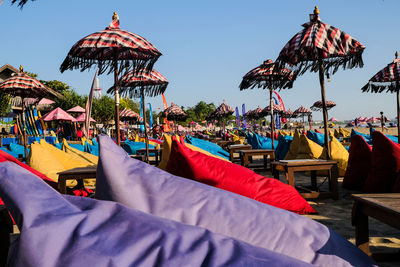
(17, 149)
(318, 138)
(78, 146)
(92, 149)
(50, 139)
(9, 140)
(15, 155)
(283, 146)
(140, 186)
(58, 145)
(390, 137)
(366, 137)
(32, 139)
(130, 147)
(207, 146)
(92, 232)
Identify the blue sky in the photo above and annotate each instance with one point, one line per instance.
(209, 45)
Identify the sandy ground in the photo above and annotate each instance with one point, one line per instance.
(336, 214)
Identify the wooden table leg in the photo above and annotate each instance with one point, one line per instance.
(62, 186)
(314, 180)
(333, 182)
(265, 162)
(275, 172)
(156, 158)
(241, 158)
(290, 176)
(360, 221)
(246, 159)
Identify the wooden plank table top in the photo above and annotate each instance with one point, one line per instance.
(79, 174)
(246, 153)
(235, 149)
(304, 162)
(383, 207)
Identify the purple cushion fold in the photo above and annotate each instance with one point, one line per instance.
(59, 230)
(152, 190)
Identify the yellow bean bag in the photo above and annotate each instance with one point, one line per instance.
(337, 133)
(294, 147)
(345, 133)
(143, 140)
(79, 155)
(308, 149)
(340, 154)
(166, 151)
(237, 139)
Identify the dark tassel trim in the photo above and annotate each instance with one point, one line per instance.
(135, 92)
(331, 65)
(376, 87)
(266, 84)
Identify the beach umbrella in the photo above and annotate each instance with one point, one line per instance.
(223, 111)
(333, 119)
(24, 86)
(76, 109)
(81, 118)
(115, 50)
(319, 47)
(387, 79)
(128, 114)
(373, 119)
(257, 113)
(58, 114)
(174, 113)
(289, 114)
(138, 84)
(267, 76)
(318, 105)
(302, 111)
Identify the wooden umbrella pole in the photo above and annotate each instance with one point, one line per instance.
(145, 129)
(23, 129)
(398, 111)
(272, 118)
(116, 102)
(324, 110)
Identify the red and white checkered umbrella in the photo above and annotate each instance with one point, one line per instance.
(276, 108)
(115, 50)
(223, 110)
(153, 83)
(128, 114)
(318, 105)
(174, 113)
(289, 114)
(265, 76)
(257, 113)
(302, 111)
(323, 48)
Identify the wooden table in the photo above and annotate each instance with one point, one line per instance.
(312, 165)
(384, 208)
(235, 149)
(75, 174)
(245, 154)
(156, 151)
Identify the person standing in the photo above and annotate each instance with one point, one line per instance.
(383, 121)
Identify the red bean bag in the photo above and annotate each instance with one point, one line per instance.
(187, 163)
(385, 165)
(359, 164)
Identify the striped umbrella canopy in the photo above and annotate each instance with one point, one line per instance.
(81, 118)
(318, 105)
(76, 109)
(223, 110)
(248, 114)
(372, 119)
(302, 111)
(333, 119)
(276, 108)
(153, 83)
(266, 76)
(289, 114)
(257, 113)
(115, 50)
(128, 114)
(323, 48)
(58, 114)
(174, 113)
(387, 79)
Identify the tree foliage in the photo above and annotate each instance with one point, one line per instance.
(4, 104)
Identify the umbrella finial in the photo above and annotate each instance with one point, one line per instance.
(115, 16)
(21, 69)
(115, 21)
(396, 54)
(316, 10)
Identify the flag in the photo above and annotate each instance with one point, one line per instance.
(237, 117)
(141, 114)
(150, 117)
(166, 124)
(278, 124)
(88, 108)
(284, 120)
(243, 112)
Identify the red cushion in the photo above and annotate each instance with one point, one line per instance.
(194, 165)
(385, 165)
(359, 164)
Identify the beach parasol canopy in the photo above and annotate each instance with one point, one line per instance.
(24, 86)
(289, 114)
(128, 114)
(276, 108)
(301, 112)
(153, 83)
(223, 110)
(323, 48)
(267, 76)
(333, 119)
(318, 105)
(115, 50)
(76, 109)
(373, 119)
(81, 118)
(174, 113)
(257, 113)
(58, 114)
(387, 79)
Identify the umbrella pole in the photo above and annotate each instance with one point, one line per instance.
(116, 102)
(324, 110)
(23, 129)
(145, 129)
(398, 111)
(272, 118)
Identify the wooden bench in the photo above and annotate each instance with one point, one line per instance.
(384, 208)
(312, 165)
(75, 174)
(245, 154)
(156, 151)
(235, 149)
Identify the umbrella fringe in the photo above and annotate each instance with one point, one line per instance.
(149, 90)
(375, 87)
(72, 62)
(331, 65)
(278, 84)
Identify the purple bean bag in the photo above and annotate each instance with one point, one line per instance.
(59, 230)
(151, 190)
